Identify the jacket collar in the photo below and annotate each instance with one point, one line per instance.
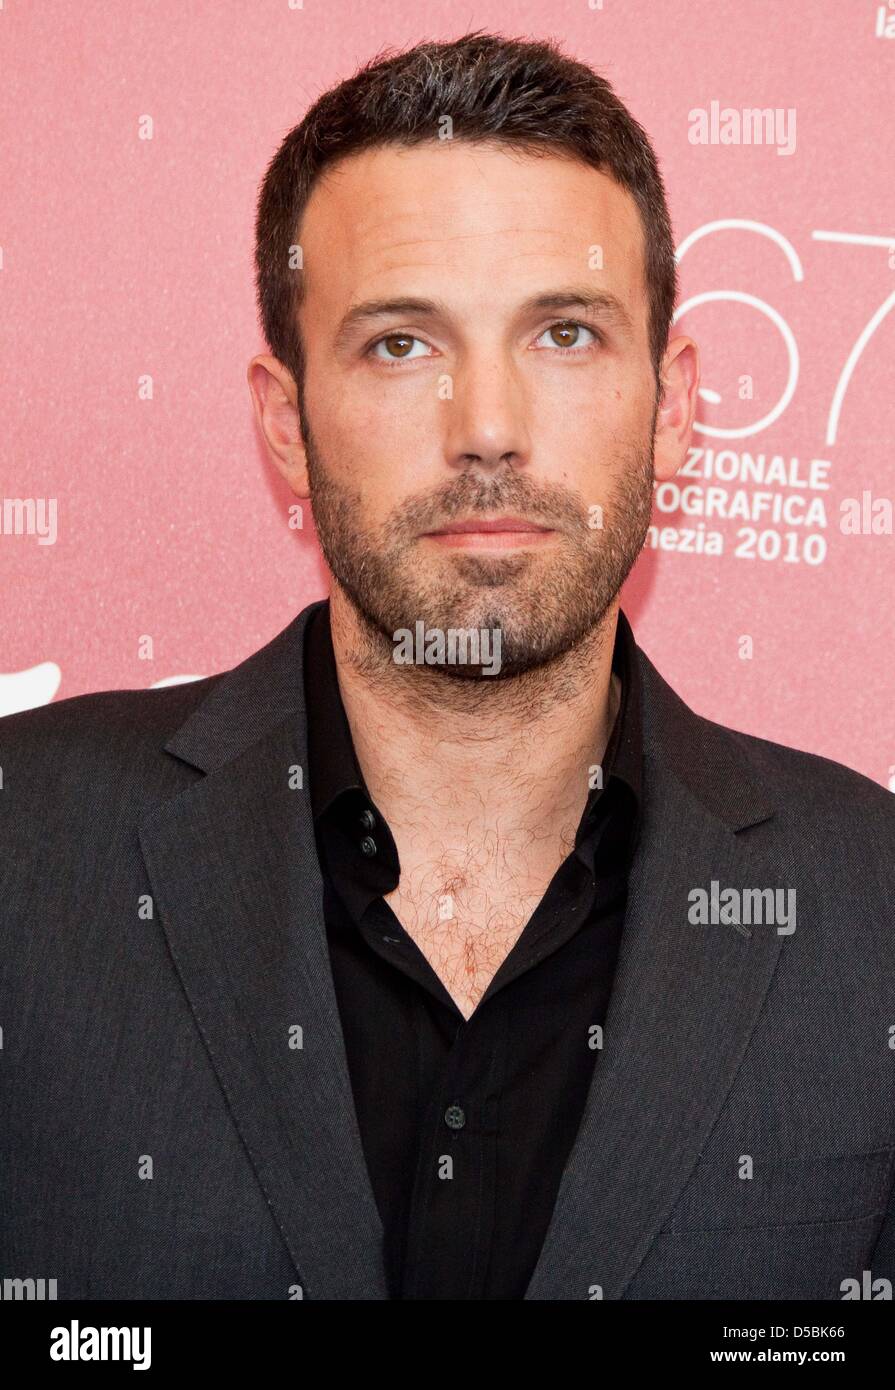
(235, 877)
(267, 688)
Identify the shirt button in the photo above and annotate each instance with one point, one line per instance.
(367, 820)
(368, 845)
(454, 1117)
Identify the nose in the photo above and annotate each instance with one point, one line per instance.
(487, 415)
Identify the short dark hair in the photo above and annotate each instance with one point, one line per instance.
(526, 95)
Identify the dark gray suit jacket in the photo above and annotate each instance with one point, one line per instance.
(162, 1135)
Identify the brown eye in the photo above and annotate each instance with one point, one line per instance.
(396, 347)
(399, 344)
(565, 334)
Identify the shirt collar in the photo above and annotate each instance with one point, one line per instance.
(333, 768)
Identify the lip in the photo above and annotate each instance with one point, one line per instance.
(486, 524)
(489, 534)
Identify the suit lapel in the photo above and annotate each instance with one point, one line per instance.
(238, 890)
(237, 886)
(684, 1003)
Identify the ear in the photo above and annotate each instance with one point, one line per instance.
(677, 407)
(274, 398)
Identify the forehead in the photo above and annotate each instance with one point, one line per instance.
(477, 222)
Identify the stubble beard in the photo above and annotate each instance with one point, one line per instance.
(544, 601)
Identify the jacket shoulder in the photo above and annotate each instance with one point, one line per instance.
(104, 750)
(106, 714)
(739, 772)
(839, 823)
(808, 777)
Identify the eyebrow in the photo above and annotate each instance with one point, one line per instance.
(598, 302)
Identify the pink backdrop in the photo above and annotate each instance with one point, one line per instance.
(126, 258)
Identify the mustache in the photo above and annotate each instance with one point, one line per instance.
(548, 503)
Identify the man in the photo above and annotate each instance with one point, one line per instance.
(438, 950)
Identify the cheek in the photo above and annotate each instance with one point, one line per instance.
(576, 410)
(387, 447)
(368, 411)
(369, 468)
(585, 449)
(595, 422)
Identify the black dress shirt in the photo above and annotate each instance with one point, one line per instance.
(466, 1125)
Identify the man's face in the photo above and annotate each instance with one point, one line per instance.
(477, 404)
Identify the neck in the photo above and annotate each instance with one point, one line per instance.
(484, 756)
